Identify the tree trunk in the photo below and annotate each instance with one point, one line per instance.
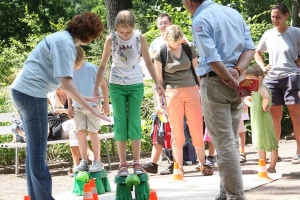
(296, 13)
(112, 9)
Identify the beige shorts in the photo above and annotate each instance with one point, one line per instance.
(69, 132)
(84, 120)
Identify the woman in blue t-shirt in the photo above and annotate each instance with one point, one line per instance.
(49, 66)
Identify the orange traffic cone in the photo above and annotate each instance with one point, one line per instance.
(153, 195)
(262, 170)
(27, 197)
(87, 192)
(94, 190)
(177, 174)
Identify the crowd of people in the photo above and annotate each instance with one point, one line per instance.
(192, 81)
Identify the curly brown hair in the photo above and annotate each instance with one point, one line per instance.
(86, 27)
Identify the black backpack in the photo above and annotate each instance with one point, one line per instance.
(187, 50)
(55, 126)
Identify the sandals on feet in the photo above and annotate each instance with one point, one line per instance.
(270, 170)
(138, 169)
(242, 157)
(123, 170)
(71, 172)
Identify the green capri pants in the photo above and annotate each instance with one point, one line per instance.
(126, 102)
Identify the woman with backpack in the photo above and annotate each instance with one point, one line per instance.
(175, 63)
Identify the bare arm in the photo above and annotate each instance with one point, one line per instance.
(245, 59)
(224, 73)
(104, 90)
(247, 101)
(73, 93)
(70, 108)
(265, 99)
(103, 62)
(259, 60)
(149, 64)
(158, 68)
(230, 77)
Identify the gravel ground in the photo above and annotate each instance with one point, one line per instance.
(287, 188)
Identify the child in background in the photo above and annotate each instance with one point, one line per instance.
(84, 77)
(18, 130)
(263, 133)
(242, 134)
(126, 86)
(211, 150)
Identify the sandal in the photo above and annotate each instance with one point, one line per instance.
(138, 169)
(270, 170)
(70, 172)
(290, 137)
(242, 157)
(206, 170)
(182, 171)
(123, 170)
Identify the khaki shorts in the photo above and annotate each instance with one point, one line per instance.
(84, 120)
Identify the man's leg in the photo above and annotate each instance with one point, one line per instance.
(222, 112)
(294, 111)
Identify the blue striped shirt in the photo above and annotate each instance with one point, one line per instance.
(220, 34)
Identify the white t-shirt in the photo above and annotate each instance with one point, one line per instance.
(156, 43)
(51, 59)
(126, 69)
(283, 49)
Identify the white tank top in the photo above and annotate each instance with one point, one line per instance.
(126, 69)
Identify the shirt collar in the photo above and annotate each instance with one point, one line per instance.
(202, 7)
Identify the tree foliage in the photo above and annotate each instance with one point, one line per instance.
(112, 9)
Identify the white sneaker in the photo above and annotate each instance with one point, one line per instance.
(96, 167)
(296, 159)
(83, 166)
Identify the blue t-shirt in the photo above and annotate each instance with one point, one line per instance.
(84, 79)
(51, 59)
(219, 37)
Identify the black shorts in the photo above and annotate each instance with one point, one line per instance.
(285, 91)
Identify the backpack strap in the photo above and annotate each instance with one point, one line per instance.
(188, 51)
(163, 57)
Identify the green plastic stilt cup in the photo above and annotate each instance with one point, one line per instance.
(80, 178)
(142, 190)
(123, 191)
(99, 177)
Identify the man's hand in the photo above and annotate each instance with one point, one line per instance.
(235, 75)
(243, 92)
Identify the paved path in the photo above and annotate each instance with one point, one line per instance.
(288, 187)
